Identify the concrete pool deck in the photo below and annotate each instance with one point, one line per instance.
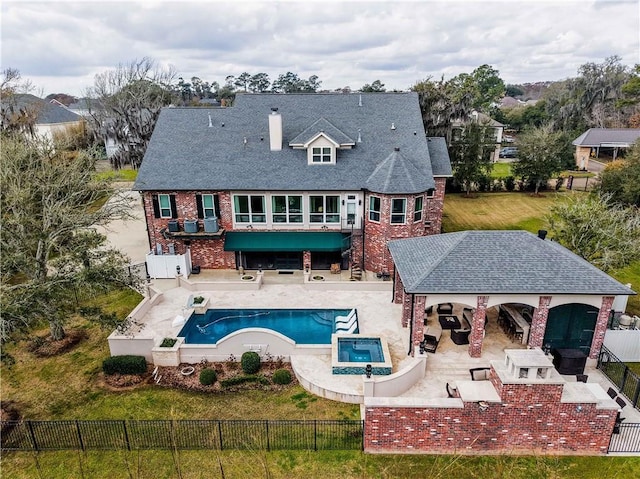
(377, 314)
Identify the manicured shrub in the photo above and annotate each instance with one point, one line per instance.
(250, 362)
(281, 376)
(127, 364)
(208, 376)
(510, 183)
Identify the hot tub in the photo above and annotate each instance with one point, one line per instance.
(351, 353)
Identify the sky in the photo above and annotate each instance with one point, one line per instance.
(61, 45)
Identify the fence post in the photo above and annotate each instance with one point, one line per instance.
(126, 435)
(362, 425)
(266, 426)
(33, 436)
(315, 434)
(79, 435)
(624, 377)
(636, 396)
(220, 435)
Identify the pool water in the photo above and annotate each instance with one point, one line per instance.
(304, 326)
(365, 350)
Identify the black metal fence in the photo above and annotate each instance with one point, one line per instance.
(627, 440)
(182, 434)
(619, 373)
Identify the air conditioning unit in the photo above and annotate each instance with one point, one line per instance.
(173, 226)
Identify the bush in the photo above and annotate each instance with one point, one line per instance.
(127, 364)
(510, 183)
(250, 362)
(235, 380)
(281, 376)
(168, 342)
(208, 376)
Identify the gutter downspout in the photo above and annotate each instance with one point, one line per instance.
(413, 298)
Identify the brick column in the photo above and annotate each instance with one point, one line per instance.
(398, 289)
(406, 309)
(306, 259)
(601, 326)
(477, 328)
(418, 322)
(539, 323)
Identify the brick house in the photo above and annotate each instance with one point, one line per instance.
(286, 182)
(570, 300)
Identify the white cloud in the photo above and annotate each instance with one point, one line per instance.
(61, 45)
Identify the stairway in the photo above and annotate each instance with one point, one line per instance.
(356, 272)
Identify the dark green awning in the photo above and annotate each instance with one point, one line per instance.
(285, 241)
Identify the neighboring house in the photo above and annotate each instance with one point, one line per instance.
(571, 299)
(596, 141)
(46, 118)
(496, 128)
(92, 110)
(293, 181)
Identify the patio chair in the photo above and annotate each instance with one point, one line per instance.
(582, 378)
(460, 336)
(445, 308)
(612, 393)
(480, 374)
(452, 392)
(431, 339)
(621, 402)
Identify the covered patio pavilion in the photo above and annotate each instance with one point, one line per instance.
(484, 269)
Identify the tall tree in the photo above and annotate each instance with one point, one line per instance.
(470, 154)
(50, 249)
(131, 96)
(259, 83)
(440, 107)
(489, 87)
(376, 87)
(291, 83)
(621, 178)
(540, 155)
(605, 234)
(242, 81)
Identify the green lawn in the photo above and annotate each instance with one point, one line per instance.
(500, 170)
(127, 174)
(303, 464)
(509, 211)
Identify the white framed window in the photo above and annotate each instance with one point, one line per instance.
(286, 209)
(418, 203)
(374, 208)
(249, 209)
(324, 209)
(164, 203)
(398, 211)
(208, 206)
(321, 154)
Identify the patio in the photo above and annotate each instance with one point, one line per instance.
(377, 314)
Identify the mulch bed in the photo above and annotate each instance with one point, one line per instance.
(172, 377)
(45, 347)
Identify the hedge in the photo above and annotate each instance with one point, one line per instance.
(127, 364)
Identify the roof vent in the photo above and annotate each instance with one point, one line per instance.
(542, 234)
(393, 126)
(396, 148)
(210, 124)
(359, 135)
(360, 100)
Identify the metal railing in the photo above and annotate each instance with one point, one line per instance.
(618, 372)
(182, 434)
(627, 440)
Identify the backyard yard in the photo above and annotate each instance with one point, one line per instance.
(70, 386)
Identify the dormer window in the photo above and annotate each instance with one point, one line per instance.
(321, 154)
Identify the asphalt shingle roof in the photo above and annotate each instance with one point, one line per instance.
(322, 126)
(496, 262)
(185, 153)
(598, 136)
(46, 112)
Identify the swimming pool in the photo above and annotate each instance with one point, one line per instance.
(304, 326)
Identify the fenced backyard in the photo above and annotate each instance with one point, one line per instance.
(627, 382)
(132, 435)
